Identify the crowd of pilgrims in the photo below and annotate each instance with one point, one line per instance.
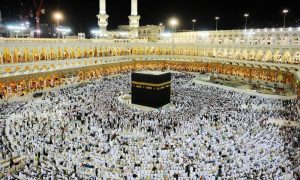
(85, 132)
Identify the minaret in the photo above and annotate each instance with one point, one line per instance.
(134, 18)
(102, 16)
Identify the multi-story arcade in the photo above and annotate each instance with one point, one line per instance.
(269, 56)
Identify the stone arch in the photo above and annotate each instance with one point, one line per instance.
(7, 56)
(286, 39)
(225, 53)
(66, 53)
(268, 56)
(278, 39)
(214, 52)
(33, 84)
(12, 87)
(81, 75)
(51, 54)
(287, 57)
(252, 55)
(72, 53)
(79, 53)
(238, 54)
(16, 55)
(259, 55)
(245, 54)
(277, 56)
(49, 80)
(231, 54)
(269, 40)
(59, 53)
(43, 54)
(295, 39)
(296, 57)
(263, 39)
(41, 82)
(219, 52)
(3, 88)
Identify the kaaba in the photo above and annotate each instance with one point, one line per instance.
(151, 88)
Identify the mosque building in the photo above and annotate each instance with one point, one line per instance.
(270, 56)
(143, 103)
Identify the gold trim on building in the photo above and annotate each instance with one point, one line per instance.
(151, 84)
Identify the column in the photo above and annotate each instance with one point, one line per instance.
(134, 8)
(102, 7)
(134, 18)
(102, 16)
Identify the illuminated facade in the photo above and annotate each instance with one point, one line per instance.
(271, 37)
(34, 64)
(267, 45)
(151, 32)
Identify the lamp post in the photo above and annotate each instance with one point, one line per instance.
(58, 16)
(246, 15)
(217, 18)
(174, 23)
(285, 11)
(194, 22)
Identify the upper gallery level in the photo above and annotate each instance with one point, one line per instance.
(267, 36)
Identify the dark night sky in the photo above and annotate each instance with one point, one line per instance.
(81, 14)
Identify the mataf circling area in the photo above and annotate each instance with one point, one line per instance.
(86, 132)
